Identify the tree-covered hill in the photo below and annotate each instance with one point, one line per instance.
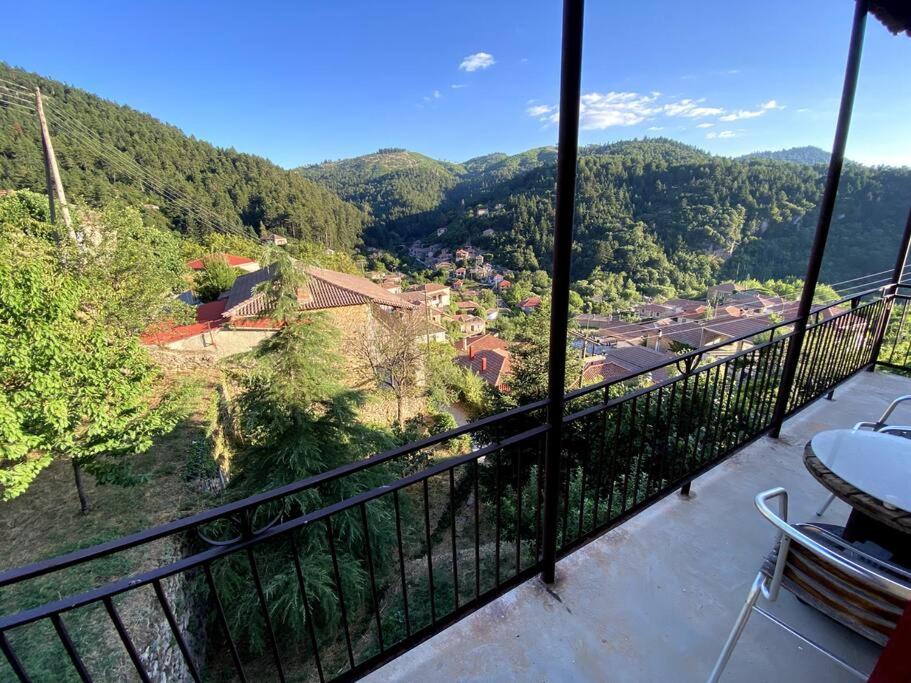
(232, 189)
(390, 185)
(796, 155)
(656, 215)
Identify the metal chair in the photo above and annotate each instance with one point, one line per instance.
(862, 592)
(878, 426)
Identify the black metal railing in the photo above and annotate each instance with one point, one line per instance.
(896, 340)
(333, 592)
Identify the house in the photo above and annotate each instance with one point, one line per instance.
(443, 266)
(633, 360)
(736, 328)
(479, 260)
(496, 279)
(479, 343)
(481, 272)
(692, 335)
(393, 286)
(470, 324)
(460, 273)
(462, 255)
(457, 284)
(489, 232)
(493, 366)
(488, 357)
(243, 263)
(468, 306)
(722, 291)
(617, 333)
(481, 211)
(503, 285)
(529, 304)
(653, 310)
(680, 305)
(243, 321)
(431, 293)
(273, 239)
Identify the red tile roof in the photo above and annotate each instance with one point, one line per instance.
(480, 342)
(230, 259)
(324, 289)
(428, 287)
(208, 316)
(530, 302)
(492, 365)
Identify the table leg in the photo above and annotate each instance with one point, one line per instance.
(862, 528)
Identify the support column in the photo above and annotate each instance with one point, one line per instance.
(826, 207)
(567, 155)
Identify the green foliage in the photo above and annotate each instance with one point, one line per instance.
(215, 277)
(298, 420)
(237, 189)
(75, 384)
(449, 383)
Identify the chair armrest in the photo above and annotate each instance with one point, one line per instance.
(789, 533)
(893, 406)
(888, 429)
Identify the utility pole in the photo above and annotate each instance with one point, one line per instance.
(52, 173)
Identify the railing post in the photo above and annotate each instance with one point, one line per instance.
(897, 274)
(826, 207)
(567, 153)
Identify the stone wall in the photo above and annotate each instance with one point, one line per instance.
(160, 653)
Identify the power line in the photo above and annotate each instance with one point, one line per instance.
(132, 168)
(14, 84)
(862, 277)
(122, 162)
(5, 92)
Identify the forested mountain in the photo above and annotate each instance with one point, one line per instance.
(659, 217)
(406, 193)
(232, 189)
(796, 155)
(390, 185)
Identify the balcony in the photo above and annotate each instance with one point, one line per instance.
(403, 545)
(654, 598)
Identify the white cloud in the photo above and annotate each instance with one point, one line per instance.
(540, 111)
(598, 111)
(690, 109)
(752, 113)
(479, 60)
(655, 128)
(458, 86)
(435, 95)
(723, 135)
(742, 114)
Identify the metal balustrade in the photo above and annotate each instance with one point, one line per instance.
(458, 532)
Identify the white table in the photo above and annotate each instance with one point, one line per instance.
(877, 464)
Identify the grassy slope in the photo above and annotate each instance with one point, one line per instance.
(45, 522)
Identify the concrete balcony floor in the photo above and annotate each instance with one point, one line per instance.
(654, 599)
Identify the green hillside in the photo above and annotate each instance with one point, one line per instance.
(796, 155)
(654, 216)
(392, 185)
(205, 187)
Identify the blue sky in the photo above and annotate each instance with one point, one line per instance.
(300, 82)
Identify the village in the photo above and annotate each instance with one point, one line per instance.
(464, 305)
